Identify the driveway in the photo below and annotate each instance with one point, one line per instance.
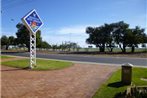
(77, 81)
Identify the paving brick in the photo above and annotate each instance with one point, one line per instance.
(78, 81)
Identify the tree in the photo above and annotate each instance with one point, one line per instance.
(23, 36)
(120, 34)
(62, 47)
(96, 37)
(144, 40)
(74, 45)
(100, 36)
(68, 45)
(54, 47)
(39, 40)
(135, 37)
(12, 40)
(110, 44)
(5, 41)
(44, 44)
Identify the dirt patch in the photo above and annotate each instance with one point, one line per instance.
(78, 81)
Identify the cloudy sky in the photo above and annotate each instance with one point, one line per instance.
(66, 20)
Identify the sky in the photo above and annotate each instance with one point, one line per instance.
(66, 20)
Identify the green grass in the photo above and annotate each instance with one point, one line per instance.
(5, 57)
(113, 84)
(139, 73)
(41, 64)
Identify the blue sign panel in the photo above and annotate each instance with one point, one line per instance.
(32, 21)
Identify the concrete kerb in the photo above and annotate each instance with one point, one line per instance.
(82, 62)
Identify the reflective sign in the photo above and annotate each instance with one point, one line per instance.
(32, 21)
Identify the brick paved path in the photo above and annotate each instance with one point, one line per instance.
(78, 81)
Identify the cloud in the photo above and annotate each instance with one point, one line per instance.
(74, 33)
(72, 30)
(77, 29)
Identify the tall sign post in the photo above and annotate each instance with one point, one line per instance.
(33, 22)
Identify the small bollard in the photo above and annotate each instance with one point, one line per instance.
(126, 73)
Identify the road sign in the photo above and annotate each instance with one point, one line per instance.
(32, 21)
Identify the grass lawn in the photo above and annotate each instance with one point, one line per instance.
(5, 57)
(113, 84)
(41, 64)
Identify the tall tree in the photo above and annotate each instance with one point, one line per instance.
(12, 40)
(135, 37)
(96, 37)
(5, 42)
(23, 35)
(100, 36)
(120, 34)
(110, 44)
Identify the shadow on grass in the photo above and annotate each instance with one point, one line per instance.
(116, 84)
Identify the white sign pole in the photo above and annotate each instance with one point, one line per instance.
(32, 50)
(33, 22)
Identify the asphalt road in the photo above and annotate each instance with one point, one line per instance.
(91, 59)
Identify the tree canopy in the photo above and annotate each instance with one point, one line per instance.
(7, 41)
(119, 33)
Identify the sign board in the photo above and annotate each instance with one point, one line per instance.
(32, 21)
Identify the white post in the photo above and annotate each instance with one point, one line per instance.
(32, 50)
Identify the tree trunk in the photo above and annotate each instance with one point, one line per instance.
(124, 49)
(7, 46)
(133, 49)
(111, 50)
(120, 47)
(102, 49)
(28, 46)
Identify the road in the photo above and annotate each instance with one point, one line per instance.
(91, 59)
